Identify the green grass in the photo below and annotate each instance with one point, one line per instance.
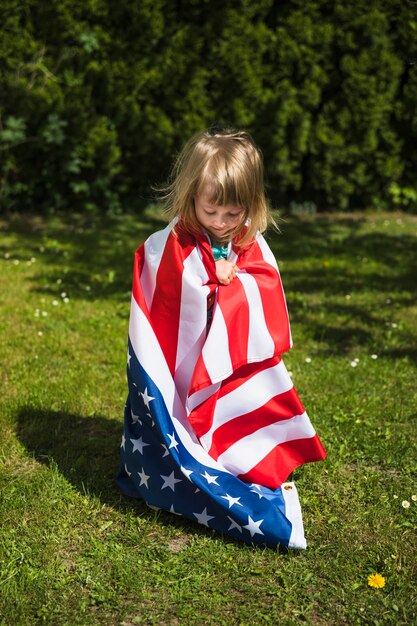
(74, 551)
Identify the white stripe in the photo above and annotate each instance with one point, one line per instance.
(150, 356)
(193, 321)
(260, 343)
(293, 513)
(153, 250)
(269, 258)
(246, 453)
(249, 396)
(267, 253)
(215, 352)
(201, 395)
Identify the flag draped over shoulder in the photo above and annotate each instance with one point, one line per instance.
(213, 423)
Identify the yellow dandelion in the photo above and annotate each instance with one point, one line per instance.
(376, 580)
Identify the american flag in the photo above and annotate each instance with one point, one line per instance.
(213, 424)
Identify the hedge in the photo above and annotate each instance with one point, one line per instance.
(96, 98)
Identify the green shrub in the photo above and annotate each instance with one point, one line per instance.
(97, 97)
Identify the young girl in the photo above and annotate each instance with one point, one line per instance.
(213, 423)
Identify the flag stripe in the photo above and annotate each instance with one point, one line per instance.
(260, 343)
(282, 407)
(153, 249)
(276, 466)
(191, 333)
(252, 394)
(249, 451)
(273, 298)
(216, 350)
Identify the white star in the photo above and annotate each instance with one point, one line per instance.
(143, 478)
(138, 444)
(122, 445)
(127, 471)
(129, 356)
(166, 453)
(231, 500)
(186, 472)
(257, 489)
(234, 525)
(210, 479)
(203, 518)
(174, 443)
(135, 418)
(253, 527)
(146, 398)
(172, 510)
(169, 481)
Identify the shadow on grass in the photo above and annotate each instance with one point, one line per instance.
(92, 257)
(85, 451)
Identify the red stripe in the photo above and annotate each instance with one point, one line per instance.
(136, 286)
(282, 407)
(245, 373)
(201, 417)
(235, 308)
(166, 303)
(276, 466)
(272, 296)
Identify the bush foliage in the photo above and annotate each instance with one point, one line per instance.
(97, 97)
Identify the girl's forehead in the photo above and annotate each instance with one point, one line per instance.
(207, 192)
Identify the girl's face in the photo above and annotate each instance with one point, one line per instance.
(217, 220)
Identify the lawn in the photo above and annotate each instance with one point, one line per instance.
(74, 551)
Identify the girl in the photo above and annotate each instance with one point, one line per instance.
(213, 424)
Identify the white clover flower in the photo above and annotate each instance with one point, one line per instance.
(59, 281)
(36, 314)
(289, 373)
(374, 356)
(44, 313)
(394, 325)
(66, 300)
(414, 498)
(55, 302)
(16, 262)
(40, 333)
(307, 359)
(353, 364)
(7, 255)
(33, 260)
(41, 249)
(348, 296)
(388, 300)
(63, 294)
(395, 497)
(87, 288)
(405, 504)
(356, 359)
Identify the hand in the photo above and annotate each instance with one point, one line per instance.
(225, 271)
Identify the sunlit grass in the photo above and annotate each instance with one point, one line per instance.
(73, 551)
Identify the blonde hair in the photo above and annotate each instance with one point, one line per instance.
(229, 165)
